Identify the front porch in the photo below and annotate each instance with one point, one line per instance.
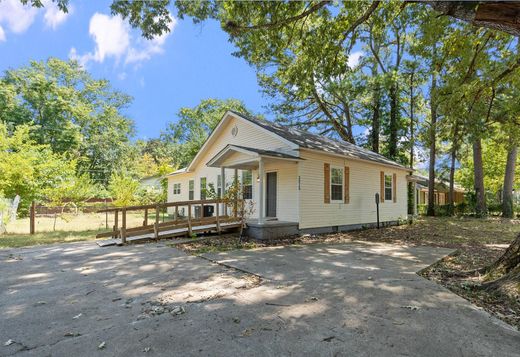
(273, 192)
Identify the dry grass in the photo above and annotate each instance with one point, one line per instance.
(75, 223)
(22, 240)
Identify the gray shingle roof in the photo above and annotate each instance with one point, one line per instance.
(312, 141)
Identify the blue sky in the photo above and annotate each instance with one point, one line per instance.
(192, 63)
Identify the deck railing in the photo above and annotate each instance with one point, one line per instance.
(232, 210)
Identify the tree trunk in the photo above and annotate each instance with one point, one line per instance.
(504, 274)
(454, 148)
(412, 120)
(480, 193)
(509, 178)
(394, 112)
(376, 120)
(433, 131)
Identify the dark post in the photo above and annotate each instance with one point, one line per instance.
(377, 209)
(106, 214)
(32, 219)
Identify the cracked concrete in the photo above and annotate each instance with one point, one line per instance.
(351, 299)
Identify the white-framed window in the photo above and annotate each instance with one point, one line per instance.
(203, 188)
(336, 184)
(388, 187)
(219, 186)
(191, 192)
(247, 185)
(176, 188)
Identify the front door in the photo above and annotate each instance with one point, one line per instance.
(270, 207)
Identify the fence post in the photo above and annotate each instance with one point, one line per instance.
(156, 225)
(123, 226)
(116, 222)
(32, 219)
(218, 218)
(145, 223)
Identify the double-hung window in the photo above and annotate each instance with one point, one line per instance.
(176, 188)
(202, 188)
(247, 185)
(191, 196)
(336, 184)
(388, 187)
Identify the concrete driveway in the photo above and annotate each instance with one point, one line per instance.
(329, 300)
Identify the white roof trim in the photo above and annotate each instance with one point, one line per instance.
(224, 119)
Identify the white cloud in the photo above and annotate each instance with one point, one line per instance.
(53, 15)
(148, 48)
(122, 76)
(353, 59)
(2, 34)
(113, 39)
(15, 16)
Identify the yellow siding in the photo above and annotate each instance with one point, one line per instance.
(249, 135)
(364, 184)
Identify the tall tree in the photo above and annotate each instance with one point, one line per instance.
(72, 112)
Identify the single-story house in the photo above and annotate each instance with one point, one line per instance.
(441, 191)
(151, 182)
(298, 182)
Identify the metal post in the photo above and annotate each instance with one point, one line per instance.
(377, 209)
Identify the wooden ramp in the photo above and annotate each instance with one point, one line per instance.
(212, 216)
(173, 232)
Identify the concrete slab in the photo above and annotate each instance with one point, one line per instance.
(335, 300)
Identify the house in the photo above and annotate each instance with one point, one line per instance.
(441, 192)
(298, 182)
(151, 182)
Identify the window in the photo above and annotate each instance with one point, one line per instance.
(219, 186)
(202, 188)
(336, 184)
(247, 185)
(176, 188)
(191, 190)
(388, 187)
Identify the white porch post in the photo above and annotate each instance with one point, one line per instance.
(261, 191)
(223, 187)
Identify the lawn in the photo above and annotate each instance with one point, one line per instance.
(11, 240)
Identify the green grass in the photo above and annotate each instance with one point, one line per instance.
(24, 240)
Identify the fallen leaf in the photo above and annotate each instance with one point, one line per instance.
(102, 345)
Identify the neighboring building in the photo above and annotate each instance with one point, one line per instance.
(151, 182)
(441, 191)
(298, 181)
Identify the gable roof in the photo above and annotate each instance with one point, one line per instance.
(311, 141)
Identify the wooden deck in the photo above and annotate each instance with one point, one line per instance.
(179, 227)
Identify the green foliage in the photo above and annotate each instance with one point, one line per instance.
(75, 189)
(123, 189)
(190, 131)
(72, 113)
(27, 168)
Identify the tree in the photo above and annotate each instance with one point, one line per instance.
(28, 168)
(193, 126)
(123, 189)
(71, 112)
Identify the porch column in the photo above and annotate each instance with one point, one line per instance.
(223, 188)
(261, 173)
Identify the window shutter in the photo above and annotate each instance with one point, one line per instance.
(382, 188)
(326, 183)
(394, 188)
(347, 184)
